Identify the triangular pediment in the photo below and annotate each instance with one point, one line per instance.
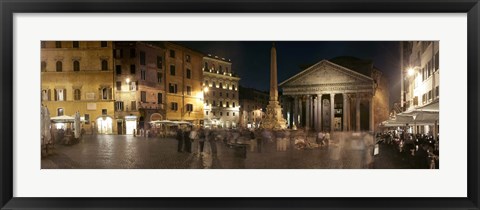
(326, 73)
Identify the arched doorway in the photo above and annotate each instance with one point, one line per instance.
(156, 116)
(104, 125)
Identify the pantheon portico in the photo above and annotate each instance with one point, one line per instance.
(327, 96)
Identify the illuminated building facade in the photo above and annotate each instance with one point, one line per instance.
(420, 89)
(78, 76)
(252, 107)
(221, 107)
(183, 80)
(139, 85)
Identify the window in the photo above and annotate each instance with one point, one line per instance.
(214, 103)
(187, 58)
(221, 113)
(233, 95)
(221, 85)
(106, 93)
(60, 112)
(213, 85)
(206, 112)
(118, 69)
(430, 95)
(132, 69)
(87, 119)
(103, 44)
(172, 53)
(46, 95)
(233, 87)
(228, 104)
(76, 94)
(76, 66)
(233, 104)
(205, 67)
(221, 94)
(60, 94)
(142, 58)
(226, 70)
(143, 96)
(213, 93)
(189, 90)
(75, 44)
(132, 53)
(143, 74)
(227, 95)
(43, 44)
(104, 111)
(220, 68)
(213, 113)
(133, 105)
(437, 62)
(172, 88)
(159, 77)
(59, 66)
(174, 106)
(119, 85)
(189, 74)
(206, 102)
(118, 105)
(43, 66)
(221, 103)
(159, 62)
(172, 70)
(118, 53)
(228, 113)
(437, 91)
(104, 65)
(159, 98)
(233, 113)
(58, 44)
(190, 107)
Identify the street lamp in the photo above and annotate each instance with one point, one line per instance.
(205, 89)
(128, 80)
(411, 71)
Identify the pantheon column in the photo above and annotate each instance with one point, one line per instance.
(295, 110)
(308, 108)
(315, 113)
(332, 111)
(345, 115)
(300, 112)
(357, 113)
(319, 112)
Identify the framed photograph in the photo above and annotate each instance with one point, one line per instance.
(239, 105)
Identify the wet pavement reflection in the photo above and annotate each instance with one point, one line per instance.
(129, 152)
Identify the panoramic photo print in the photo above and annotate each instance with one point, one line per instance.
(239, 104)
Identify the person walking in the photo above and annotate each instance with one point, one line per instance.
(188, 140)
(201, 139)
(181, 139)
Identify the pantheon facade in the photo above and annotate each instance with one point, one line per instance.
(342, 94)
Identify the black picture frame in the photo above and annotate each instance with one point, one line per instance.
(10, 7)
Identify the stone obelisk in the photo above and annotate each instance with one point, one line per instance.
(273, 118)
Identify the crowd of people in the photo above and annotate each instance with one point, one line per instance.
(419, 150)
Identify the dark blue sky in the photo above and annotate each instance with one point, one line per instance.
(251, 59)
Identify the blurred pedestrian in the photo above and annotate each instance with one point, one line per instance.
(181, 139)
(188, 140)
(201, 139)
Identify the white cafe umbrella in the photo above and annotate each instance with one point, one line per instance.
(77, 125)
(62, 119)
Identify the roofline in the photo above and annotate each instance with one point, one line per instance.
(217, 59)
(326, 61)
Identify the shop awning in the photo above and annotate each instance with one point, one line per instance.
(62, 119)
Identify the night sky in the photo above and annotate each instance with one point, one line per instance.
(251, 59)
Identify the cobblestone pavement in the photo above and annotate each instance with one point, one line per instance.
(128, 152)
